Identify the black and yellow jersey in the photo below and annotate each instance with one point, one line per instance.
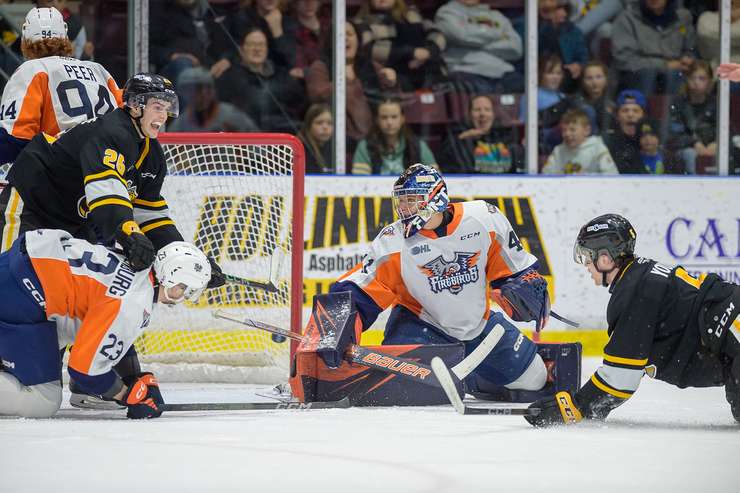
(653, 327)
(101, 172)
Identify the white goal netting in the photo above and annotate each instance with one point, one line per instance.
(235, 197)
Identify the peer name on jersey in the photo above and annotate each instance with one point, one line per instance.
(331, 263)
(80, 72)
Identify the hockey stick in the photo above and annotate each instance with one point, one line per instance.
(564, 320)
(444, 377)
(403, 367)
(271, 286)
(257, 406)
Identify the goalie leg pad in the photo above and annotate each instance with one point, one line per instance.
(563, 364)
(509, 359)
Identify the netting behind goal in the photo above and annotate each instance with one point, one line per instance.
(238, 197)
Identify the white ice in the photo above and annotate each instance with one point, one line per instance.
(663, 440)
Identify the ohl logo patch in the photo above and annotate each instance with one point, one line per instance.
(454, 275)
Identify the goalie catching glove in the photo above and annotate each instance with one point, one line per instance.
(556, 410)
(137, 248)
(143, 398)
(524, 298)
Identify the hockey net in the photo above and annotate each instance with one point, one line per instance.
(238, 197)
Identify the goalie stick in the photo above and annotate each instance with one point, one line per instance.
(445, 379)
(403, 367)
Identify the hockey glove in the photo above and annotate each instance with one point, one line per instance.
(556, 410)
(137, 248)
(217, 275)
(143, 398)
(524, 298)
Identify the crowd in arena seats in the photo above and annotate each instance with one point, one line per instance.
(624, 86)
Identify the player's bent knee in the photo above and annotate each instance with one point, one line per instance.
(33, 401)
(533, 378)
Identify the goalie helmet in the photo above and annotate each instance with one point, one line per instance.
(142, 87)
(611, 234)
(418, 194)
(44, 23)
(182, 263)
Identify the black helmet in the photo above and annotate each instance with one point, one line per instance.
(142, 87)
(611, 234)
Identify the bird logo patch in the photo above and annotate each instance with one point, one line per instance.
(454, 275)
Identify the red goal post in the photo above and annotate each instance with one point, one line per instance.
(240, 198)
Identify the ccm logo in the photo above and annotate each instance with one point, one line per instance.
(723, 321)
(34, 292)
(470, 235)
(395, 365)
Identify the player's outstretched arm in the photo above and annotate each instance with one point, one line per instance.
(137, 248)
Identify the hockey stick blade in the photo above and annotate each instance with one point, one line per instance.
(564, 320)
(444, 376)
(250, 283)
(257, 406)
(256, 324)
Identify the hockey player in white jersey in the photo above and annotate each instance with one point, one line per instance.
(438, 267)
(51, 92)
(58, 290)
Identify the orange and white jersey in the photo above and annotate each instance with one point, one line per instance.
(444, 280)
(53, 94)
(97, 302)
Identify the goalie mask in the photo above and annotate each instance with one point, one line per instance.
(143, 87)
(182, 263)
(418, 194)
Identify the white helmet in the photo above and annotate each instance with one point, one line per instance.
(44, 23)
(181, 262)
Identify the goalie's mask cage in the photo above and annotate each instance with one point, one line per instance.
(418, 194)
(239, 199)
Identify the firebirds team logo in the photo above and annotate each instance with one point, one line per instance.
(453, 275)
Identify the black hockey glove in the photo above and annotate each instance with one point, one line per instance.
(217, 275)
(137, 248)
(143, 398)
(556, 410)
(524, 298)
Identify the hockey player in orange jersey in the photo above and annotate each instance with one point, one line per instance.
(438, 267)
(58, 290)
(51, 92)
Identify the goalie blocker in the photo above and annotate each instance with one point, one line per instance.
(319, 372)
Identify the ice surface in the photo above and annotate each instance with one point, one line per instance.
(663, 440)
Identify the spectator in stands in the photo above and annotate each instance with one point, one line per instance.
(480, 145)
(398, 37)
(651, 154)
(205, 113)
(580, 152)
(83, 49)
(181, 36)
(621, 139)
(559, 36)
(593, 98)
(263, 90)
(693, 117)
(480, 44)
(316, 133)
(363, 81)
(707, 28)
(593, 18)
(390, 147)
(268, 16)
(309, 35)
(551, 102)
(653, 43)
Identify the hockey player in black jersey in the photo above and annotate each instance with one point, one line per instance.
(662, 321)
(100, 180)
